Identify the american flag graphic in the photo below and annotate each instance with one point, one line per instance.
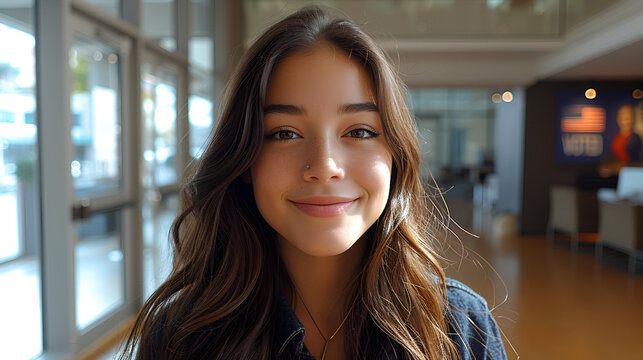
(583, 119)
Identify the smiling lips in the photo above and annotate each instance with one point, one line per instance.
(324, 206)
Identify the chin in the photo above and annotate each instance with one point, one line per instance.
(326, 245)
(325, 251)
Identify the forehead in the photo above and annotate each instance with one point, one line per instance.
(323, 74)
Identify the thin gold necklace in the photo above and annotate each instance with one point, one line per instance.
(326, 341)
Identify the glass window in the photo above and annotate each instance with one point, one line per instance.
(201, 111)
(20, 302)
(159, 213)
(201, 59)
(95, 105)
(112, 7)
(100, 286)
(159, 127)
(159, 22)
(456, 127)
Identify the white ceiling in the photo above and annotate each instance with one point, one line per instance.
(623, 63)
(608, 46)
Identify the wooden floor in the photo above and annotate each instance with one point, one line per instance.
(551, 302)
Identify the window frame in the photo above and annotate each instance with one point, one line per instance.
(54, 36)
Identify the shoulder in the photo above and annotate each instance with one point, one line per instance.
(460, 294)
(471, 325)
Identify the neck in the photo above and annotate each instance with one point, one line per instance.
(323, 283)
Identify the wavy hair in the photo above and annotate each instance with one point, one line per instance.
(220, 299)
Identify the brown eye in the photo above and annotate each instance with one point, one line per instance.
(361, 134)
(284, 135)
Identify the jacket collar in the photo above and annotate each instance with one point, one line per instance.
(290, 333)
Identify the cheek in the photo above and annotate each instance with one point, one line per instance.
(264, 172)
(373, 172)
(271, 174)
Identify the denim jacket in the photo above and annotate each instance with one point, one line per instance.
(471, 327)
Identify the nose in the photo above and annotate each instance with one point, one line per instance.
(323, 161)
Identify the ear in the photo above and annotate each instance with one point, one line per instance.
(246, 177)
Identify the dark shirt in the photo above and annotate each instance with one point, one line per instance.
(471, 327)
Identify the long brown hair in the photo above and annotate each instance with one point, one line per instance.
(220, 299)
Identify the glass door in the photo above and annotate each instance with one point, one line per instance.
(98, 60)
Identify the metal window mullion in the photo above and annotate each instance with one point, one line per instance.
(54, 137)
(213, 96)
(228, 36)
(228, 46)
(183, 32)
(134, 248)
(167, 56)
(182, 122)
(183, 26)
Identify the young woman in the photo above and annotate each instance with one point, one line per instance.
(306, 231)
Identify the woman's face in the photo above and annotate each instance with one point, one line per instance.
(323, 175)
(625, 119)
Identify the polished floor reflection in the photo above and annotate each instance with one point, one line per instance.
(550, 302)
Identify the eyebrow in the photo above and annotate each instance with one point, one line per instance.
(283, 109)
(358, 107)
(296, 110)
